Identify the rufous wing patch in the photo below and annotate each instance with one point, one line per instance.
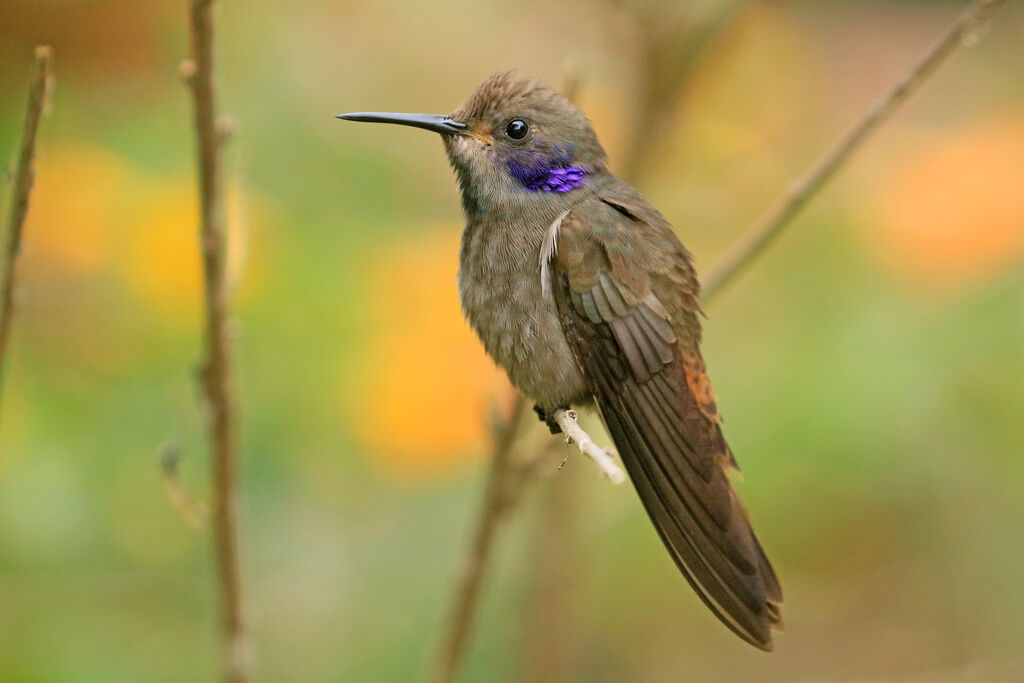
(700, 386)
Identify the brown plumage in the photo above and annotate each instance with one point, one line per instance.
(582, 291)
(627, 299)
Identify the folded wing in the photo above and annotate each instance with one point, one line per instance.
(626, 296)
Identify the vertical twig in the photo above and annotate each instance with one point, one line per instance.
(807, 185)
(39, 84)
(500, 487)
(216, 371)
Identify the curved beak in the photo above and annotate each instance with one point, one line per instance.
(438, 123)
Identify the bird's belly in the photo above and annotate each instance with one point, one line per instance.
(520, 330)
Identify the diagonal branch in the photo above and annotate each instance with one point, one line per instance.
(39, 84)
(216, 372)
(808, 185)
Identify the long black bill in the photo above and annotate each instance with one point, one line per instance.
(435, 122)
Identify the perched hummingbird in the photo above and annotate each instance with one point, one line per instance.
(583, 293)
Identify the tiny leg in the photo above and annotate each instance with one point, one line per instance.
(548, 417)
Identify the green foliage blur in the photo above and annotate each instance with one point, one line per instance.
(870, 366)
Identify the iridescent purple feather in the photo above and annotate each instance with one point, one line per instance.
(550, 176)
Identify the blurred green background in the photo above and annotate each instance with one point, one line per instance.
(870, 366)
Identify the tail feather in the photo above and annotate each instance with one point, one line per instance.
(744, 595)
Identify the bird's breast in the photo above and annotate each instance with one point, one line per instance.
(502, 297)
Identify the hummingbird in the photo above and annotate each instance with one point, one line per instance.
(581, 290)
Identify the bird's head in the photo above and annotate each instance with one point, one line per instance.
(514, 143)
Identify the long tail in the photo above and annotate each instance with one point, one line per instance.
(699, 517)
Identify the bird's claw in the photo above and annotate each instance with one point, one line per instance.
(547, 418)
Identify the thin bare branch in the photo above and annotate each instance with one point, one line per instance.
(40, 84)
(216, 372)
(963, 30)
(495, 504)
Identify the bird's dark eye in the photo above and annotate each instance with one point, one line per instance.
(517, 129)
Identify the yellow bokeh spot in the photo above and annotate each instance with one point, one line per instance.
(163, 264)
(75, 200)
(164, 267)
(423, 392)
(93, 210)
(953, 212)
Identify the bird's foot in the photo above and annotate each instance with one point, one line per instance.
(548, 417)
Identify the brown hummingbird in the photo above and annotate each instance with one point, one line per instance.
(583, 293)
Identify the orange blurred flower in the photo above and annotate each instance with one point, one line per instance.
(94, 210)
(953, 212)
(163, 264)
(422, 395)
(75, 200)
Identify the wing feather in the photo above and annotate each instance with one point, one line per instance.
(630, 319)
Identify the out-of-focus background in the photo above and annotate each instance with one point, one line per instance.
(870, 366)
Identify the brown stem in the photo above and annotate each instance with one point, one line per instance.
(807, 185)
(217, 365)
(39, 84)
(500, 483)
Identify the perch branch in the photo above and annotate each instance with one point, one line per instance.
(217, 365)
(39, 83)
(806, 186)
(574, 434)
